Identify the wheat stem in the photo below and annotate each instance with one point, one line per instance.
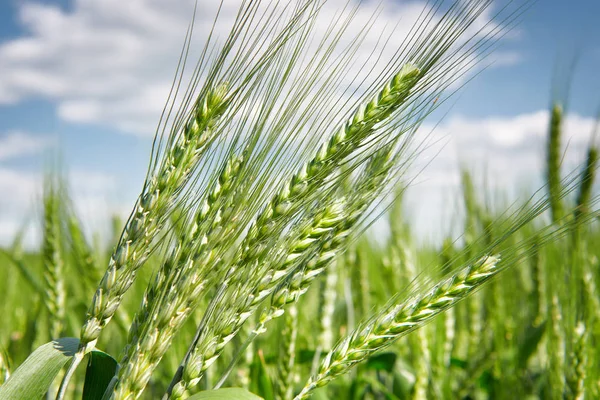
(578, 363)
(553, 163)
(556, 348)
(287, 355)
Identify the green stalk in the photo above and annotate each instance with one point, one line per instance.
(553, 163)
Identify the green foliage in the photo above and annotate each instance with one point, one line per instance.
(99, 373)
(33, 378)
(260, 191)
(260, 380)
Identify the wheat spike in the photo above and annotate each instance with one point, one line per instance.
(396, 321)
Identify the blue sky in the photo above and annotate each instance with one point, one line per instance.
(86, 80)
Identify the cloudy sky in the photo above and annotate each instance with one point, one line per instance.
(85, 81)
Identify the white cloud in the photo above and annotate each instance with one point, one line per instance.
(16, 144)
(17, 204)
(92, 193)
(20, 187)
(96, 57)
(111, 61)
(506, 156)
(505, 58)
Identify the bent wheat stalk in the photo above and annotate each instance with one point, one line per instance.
(398, 320)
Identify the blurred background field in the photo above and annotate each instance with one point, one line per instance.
(533, 332)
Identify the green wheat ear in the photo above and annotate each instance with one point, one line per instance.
(53, 258)
(164, 311)
(286, 364)
(155, 202)
(588, 176)
(283, 206)
(554, 153)
(397, 320)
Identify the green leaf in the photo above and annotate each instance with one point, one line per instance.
(533, 337)
(404, 380)
(225, 394)
(378, 389)
(320, 395)
(34, 377)
(457, 362)
(382, 362)
(260, 382)
(25, 272)
(100, 370)
(305, 356)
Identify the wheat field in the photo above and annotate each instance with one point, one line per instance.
(248, 267)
